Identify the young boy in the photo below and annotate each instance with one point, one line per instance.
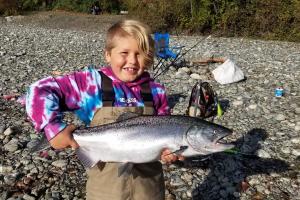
(101, 96)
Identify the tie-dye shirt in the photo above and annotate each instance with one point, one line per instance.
(81, 93)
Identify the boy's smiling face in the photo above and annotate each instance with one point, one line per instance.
(126, 59)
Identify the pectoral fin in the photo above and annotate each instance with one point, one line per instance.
(179, 151)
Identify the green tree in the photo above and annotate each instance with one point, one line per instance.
(8, 7)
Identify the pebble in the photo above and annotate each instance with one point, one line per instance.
(5, 169)
(186, 69)
(253, 106)
(280, 117)
(296, 140)
(2, 129)
(237, 103)
(296, 152)
(263, 154)
(196, 76)
(28, 197)
(59, 163)
(286, 150)
(2, 53)
(11, 146)
(8, 131)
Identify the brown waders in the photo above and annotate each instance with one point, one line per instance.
(146, 181)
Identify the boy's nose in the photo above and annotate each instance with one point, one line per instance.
(132, 59)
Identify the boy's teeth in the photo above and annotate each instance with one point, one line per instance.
(129, 69)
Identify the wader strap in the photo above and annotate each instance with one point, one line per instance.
(147, 94)
(108, 95)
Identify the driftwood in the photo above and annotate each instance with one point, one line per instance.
(208, 61)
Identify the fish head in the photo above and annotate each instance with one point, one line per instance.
(205, 139)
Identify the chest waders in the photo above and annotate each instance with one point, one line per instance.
(146, 181)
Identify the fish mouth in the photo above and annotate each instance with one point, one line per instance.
(223, 143)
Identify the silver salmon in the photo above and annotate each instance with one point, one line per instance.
(141, 139)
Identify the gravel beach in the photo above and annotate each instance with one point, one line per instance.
(266, 128)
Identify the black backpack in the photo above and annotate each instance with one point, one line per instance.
(203, 101)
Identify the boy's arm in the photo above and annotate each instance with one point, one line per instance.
(44, 107)
(160, 100)
(48, 98)
(64, 139)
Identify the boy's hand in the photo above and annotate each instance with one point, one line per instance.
(64, 139)
(168, 157)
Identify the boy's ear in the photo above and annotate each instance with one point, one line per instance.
(107, 56)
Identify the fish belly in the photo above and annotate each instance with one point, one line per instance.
(130, 144)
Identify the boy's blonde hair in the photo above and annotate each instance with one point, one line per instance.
(136, 29)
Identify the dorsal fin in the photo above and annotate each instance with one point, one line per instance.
(127, 115)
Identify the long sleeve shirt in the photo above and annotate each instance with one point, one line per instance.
(81, 93)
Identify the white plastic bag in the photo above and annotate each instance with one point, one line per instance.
(228, 72)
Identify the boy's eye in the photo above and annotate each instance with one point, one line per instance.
(124, 53)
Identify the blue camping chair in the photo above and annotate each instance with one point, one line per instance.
(167, 56)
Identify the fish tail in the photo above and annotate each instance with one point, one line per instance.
(40, 144)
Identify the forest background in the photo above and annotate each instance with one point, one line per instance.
(267, 19)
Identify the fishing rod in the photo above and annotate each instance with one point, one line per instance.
(157, 73)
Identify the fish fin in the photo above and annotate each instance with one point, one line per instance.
(125, 169)
(86, 161)
(127, 115)
(180, 150)
(40, 144)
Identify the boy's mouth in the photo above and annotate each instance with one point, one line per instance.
(130, 69)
